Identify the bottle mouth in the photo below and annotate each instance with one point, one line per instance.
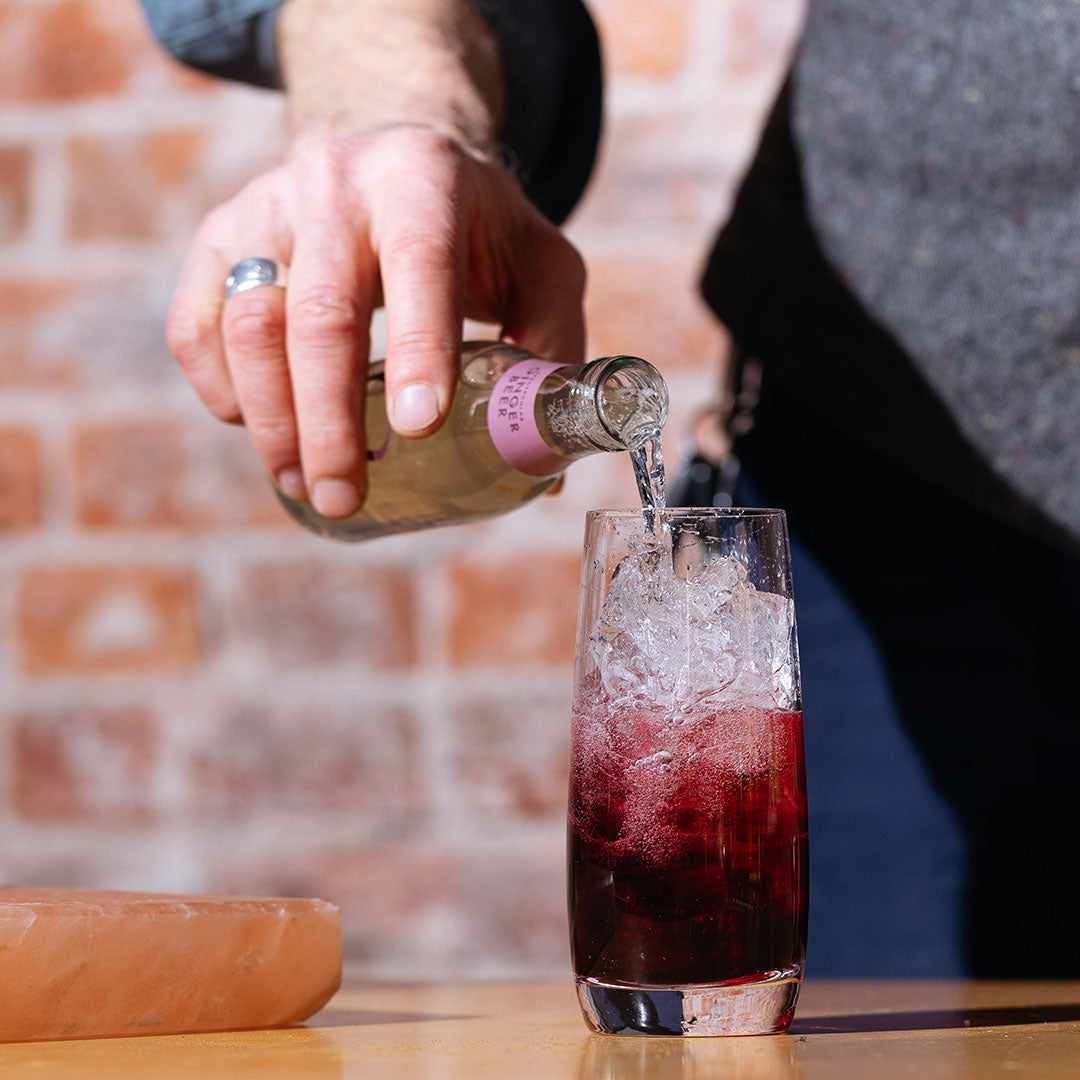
(631, 400)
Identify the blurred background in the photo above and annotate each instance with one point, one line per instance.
(196, 694)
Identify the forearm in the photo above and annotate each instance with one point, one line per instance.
(547, 115)
(352, 66)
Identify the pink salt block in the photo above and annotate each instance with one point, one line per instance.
(78, 964)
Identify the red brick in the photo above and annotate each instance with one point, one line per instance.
(158, 72)
(173, 157)
(14, 192)
(61, 333)
(333, 756)
(123, 186)
(85, 765)
(57, 51)
(165, 473)
(655, 194)
(761, 36)
(87, 619)
(656, 174)
(422, 908)
(509, 756)
(173, 74)
(521, 611)
(649, 306)
(26, 307)
(644, 37)
(20, 479)
(386, 893)
(513, 906)
(325, 612)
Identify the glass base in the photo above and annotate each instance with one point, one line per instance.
(761, 1005)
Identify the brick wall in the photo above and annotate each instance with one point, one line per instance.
(194, 693)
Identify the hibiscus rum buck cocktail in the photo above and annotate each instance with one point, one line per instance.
(687, 822)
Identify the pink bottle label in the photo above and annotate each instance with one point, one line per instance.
(512, 419)
(378, 455)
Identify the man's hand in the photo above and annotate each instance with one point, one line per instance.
(390, 196)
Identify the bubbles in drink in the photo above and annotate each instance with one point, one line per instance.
(658, 754)
(686, 842)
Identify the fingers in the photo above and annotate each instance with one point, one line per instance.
(233, 351)
(329, 308)
(288, 364)
(253, 332)
(193, 330)
(545, 312)
(423, 261)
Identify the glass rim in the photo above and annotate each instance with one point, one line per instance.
(626, 513)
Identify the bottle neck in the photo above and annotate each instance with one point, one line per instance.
(614, 403)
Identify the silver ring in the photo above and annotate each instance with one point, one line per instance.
(250, 274)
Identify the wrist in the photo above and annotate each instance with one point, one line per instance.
(356, 67)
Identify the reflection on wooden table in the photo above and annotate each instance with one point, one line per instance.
(860, 1030)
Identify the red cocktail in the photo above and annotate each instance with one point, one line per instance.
(687, 825)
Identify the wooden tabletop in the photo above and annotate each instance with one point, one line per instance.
(475, 1031)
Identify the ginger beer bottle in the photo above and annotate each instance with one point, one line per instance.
(516, 422)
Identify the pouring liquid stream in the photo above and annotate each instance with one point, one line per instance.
(648, 461)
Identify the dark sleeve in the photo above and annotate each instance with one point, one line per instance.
(550, 53)
(551, 58)
(233, 39)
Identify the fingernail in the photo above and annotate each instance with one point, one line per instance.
(416, 407)
(291, 482)
(335, 498)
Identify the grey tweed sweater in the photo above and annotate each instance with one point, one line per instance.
(940, 150)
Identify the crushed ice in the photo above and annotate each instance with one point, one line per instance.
(688, 634)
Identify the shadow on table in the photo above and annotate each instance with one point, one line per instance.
(932, 1019)
(364, 1017)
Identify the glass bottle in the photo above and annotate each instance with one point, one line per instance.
(515, 423)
